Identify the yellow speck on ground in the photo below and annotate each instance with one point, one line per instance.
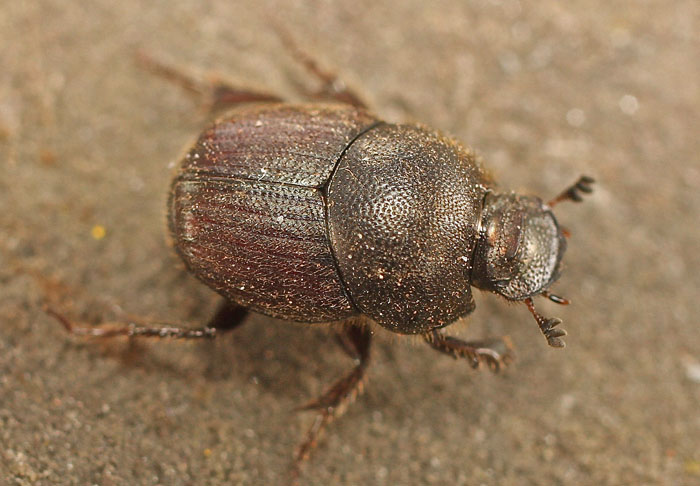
(98, 232)
(692, 466)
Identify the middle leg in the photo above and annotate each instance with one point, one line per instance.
(355, 340)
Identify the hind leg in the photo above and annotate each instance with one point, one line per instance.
(216, 93)
(219, 94)
(332, 87)
(227, 317)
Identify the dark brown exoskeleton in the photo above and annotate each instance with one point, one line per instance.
(322, 212)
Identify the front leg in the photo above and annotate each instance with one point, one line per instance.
(496, 353)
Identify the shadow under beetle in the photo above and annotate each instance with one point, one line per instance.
(322, 212)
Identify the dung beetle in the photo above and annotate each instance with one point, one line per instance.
(322, 212)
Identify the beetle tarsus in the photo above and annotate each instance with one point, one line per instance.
(574, 192)
(62, 319)
(495, 353)
(355, 339)
(548, 326)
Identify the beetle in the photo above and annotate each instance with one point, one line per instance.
(322, 212)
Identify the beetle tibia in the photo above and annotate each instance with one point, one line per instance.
(548, 326)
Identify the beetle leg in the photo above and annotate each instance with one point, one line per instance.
(548, 326)
(227, 317)
(575, 191)
(355, 339)
(332, 87)
(496, 353)
(217, 93)
(557, 299)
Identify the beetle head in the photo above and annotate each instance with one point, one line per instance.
(520, 247)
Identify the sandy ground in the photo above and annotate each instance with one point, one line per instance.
(544, 91)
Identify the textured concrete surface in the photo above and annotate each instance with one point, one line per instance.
(544, 91)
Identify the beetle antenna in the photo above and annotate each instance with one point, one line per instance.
(575, 191)
(555, 298)
(547, 326)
